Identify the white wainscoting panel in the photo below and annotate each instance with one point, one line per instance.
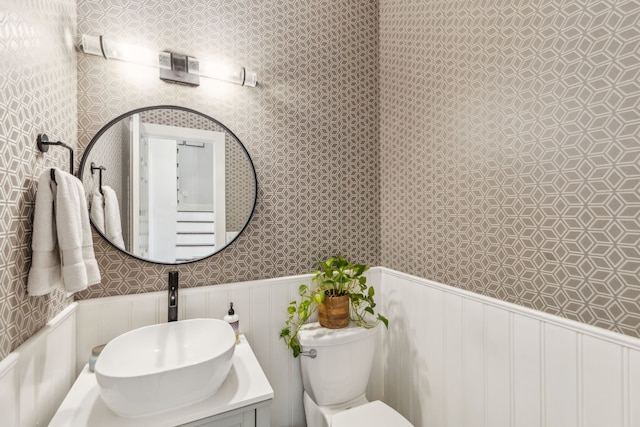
(632, 388)
(262, 307)
(453, 360)
(10, 391)
(35, 378)
(473, 362)
(527, 362)
(456, 359)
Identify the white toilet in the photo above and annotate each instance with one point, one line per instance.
(336, 379)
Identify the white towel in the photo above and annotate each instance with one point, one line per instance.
(62, 245)
(97, 210)
(45, 273)
(113, 226)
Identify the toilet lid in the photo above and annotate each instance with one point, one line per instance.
(372, 414)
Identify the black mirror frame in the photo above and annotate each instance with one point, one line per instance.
(106, 127)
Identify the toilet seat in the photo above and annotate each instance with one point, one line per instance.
(372, 414)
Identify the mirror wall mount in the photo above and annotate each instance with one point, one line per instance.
(174, 67)
(137, 152)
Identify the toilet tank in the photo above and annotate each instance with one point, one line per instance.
(341, 370)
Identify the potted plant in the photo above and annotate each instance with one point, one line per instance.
(339, 293)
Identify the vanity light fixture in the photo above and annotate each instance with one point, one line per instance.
(174, 67)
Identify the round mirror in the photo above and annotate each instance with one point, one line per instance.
(168, 184)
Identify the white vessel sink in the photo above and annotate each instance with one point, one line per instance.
(164, 366)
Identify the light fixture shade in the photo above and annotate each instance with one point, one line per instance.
(173, 67)
(91, 45)
(239, 76)
(110, 49)
(251, 79)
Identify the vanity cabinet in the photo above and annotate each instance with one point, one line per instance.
(249, 416)
(243, 400)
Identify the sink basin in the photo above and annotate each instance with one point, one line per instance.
(164, 366)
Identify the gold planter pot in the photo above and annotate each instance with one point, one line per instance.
(334, 313)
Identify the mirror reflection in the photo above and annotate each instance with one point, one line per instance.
(168, 184)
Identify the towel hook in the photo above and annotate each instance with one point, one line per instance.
(99, 169)
(43, 145)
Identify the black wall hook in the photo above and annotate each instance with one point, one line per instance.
(43, 145)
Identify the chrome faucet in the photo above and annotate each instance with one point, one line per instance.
(173, 297)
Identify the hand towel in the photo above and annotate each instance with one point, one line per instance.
(62, 243)
(44, 274)
(97, 211)
(113, 226)
(79, 266)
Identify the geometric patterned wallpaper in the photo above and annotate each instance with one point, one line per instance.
(37, 95)
(310, 126)
(510, 146)
(239, 186)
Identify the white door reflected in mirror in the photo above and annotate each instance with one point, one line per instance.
(177, 191)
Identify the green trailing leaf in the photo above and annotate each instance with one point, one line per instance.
(383, 320)
(296, 349)
(318, 298)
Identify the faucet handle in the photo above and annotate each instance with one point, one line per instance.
(173, 280)
(172, 315)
